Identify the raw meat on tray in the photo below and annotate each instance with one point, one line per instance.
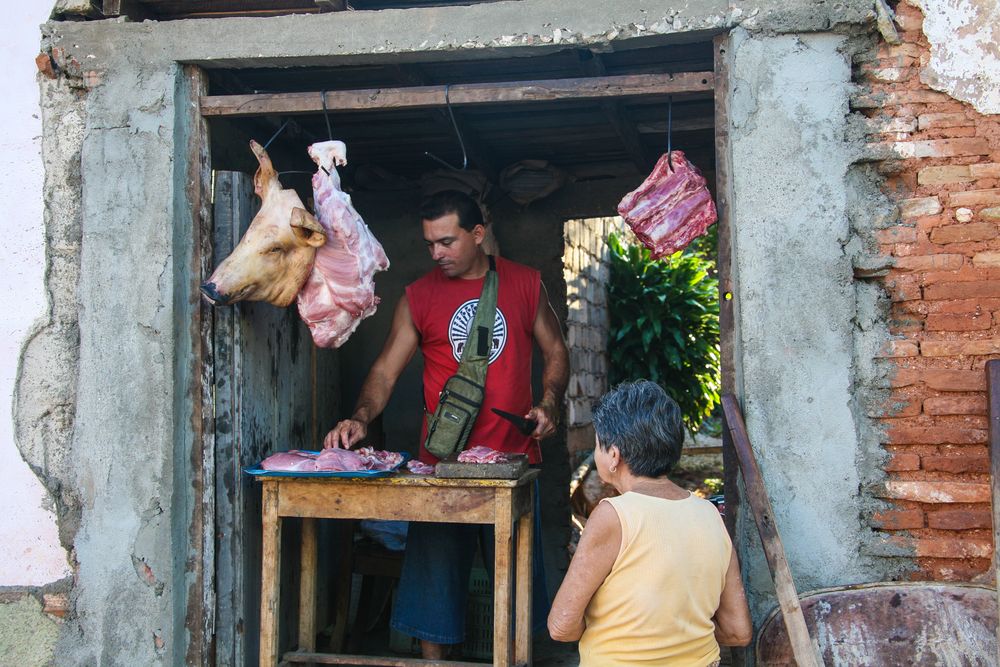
(294, 460)
(365, 459)
(419, 468)
(482, 454)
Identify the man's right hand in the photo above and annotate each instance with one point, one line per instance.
(346, 434)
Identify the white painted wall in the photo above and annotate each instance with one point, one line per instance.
(30, 554)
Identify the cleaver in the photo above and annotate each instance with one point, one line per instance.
(525, 426)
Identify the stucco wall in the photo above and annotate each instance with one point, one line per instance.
(796, 301)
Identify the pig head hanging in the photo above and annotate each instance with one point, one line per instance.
(275, 257)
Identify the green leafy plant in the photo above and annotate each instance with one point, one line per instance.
(665, 325)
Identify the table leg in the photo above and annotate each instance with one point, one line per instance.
(503, 566)
(270, 577)
(522, 597)
(307, 588)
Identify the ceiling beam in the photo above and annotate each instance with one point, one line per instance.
(474, 148)
(130, 9)
(592, 65)
(462, 94)
(331, 5)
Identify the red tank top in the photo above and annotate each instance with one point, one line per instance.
(442, 309)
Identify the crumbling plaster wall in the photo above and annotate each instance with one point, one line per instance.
(964, 36)
(793, 246)
(126, 517)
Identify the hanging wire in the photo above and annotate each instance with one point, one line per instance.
(458, 133)
(670, 134)
(326, 117)
(275, 135)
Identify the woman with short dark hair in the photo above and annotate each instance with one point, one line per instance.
(654, 580)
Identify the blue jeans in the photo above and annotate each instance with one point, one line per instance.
(434, 584)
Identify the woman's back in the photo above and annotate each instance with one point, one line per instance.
(656, 605)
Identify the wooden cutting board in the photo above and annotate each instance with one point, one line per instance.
(512, 469)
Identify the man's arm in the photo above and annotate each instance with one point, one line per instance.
(399, 348)
(555, 375)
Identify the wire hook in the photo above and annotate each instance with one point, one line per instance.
(458, 133)
(275, 135)
(670, 134)
(326, 117)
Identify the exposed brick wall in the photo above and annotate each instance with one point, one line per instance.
(585, 268)
(941, 160)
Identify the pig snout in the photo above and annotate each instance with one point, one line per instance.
(211, 293)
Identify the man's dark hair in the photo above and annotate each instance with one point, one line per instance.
(452, 201)
(644, 424)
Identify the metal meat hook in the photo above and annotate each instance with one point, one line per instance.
(670, 118)
(458, 133)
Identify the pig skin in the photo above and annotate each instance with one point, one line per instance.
(340, 291)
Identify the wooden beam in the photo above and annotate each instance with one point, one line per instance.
(803, 646)
(993, 411)
(331, 5)
(474, 149)
(422, 97)
(130, 9)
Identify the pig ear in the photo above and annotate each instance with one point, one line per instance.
(266, 179)
(307, 228)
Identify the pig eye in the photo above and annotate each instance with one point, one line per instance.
(275, 250)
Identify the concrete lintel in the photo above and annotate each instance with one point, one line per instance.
(472, 31)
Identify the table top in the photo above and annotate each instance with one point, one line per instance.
(408, 479)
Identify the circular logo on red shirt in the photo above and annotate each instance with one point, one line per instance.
(461, 321)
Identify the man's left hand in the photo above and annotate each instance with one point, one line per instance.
(546, 417)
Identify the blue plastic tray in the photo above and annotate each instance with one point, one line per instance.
(257, 471)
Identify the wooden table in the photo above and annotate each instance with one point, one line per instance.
(400, 497)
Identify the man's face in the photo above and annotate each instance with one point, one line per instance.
(452, 248)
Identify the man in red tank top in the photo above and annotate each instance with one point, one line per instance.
(434, 316)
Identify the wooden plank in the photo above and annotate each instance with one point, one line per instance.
(270, 577)
(788, 599)
(194, 345)
(502, 579)
(331, 5)
(342, 603)
(477, 153)
(459, 94)
(331, 659)
(452, 505)
(993, 402)
(727, 295)
(406, 479)
(523, 579)
(307, 587)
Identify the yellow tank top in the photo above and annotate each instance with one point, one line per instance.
(656, 605)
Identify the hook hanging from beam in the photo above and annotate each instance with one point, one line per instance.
(670, 133)
(458, 133)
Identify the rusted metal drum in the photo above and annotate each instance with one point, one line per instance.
(919, 623)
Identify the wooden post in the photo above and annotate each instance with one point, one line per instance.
(307, 587)
(502, 577)
(788, 598)
(993, 401)
(524, 574)
(270, 576)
